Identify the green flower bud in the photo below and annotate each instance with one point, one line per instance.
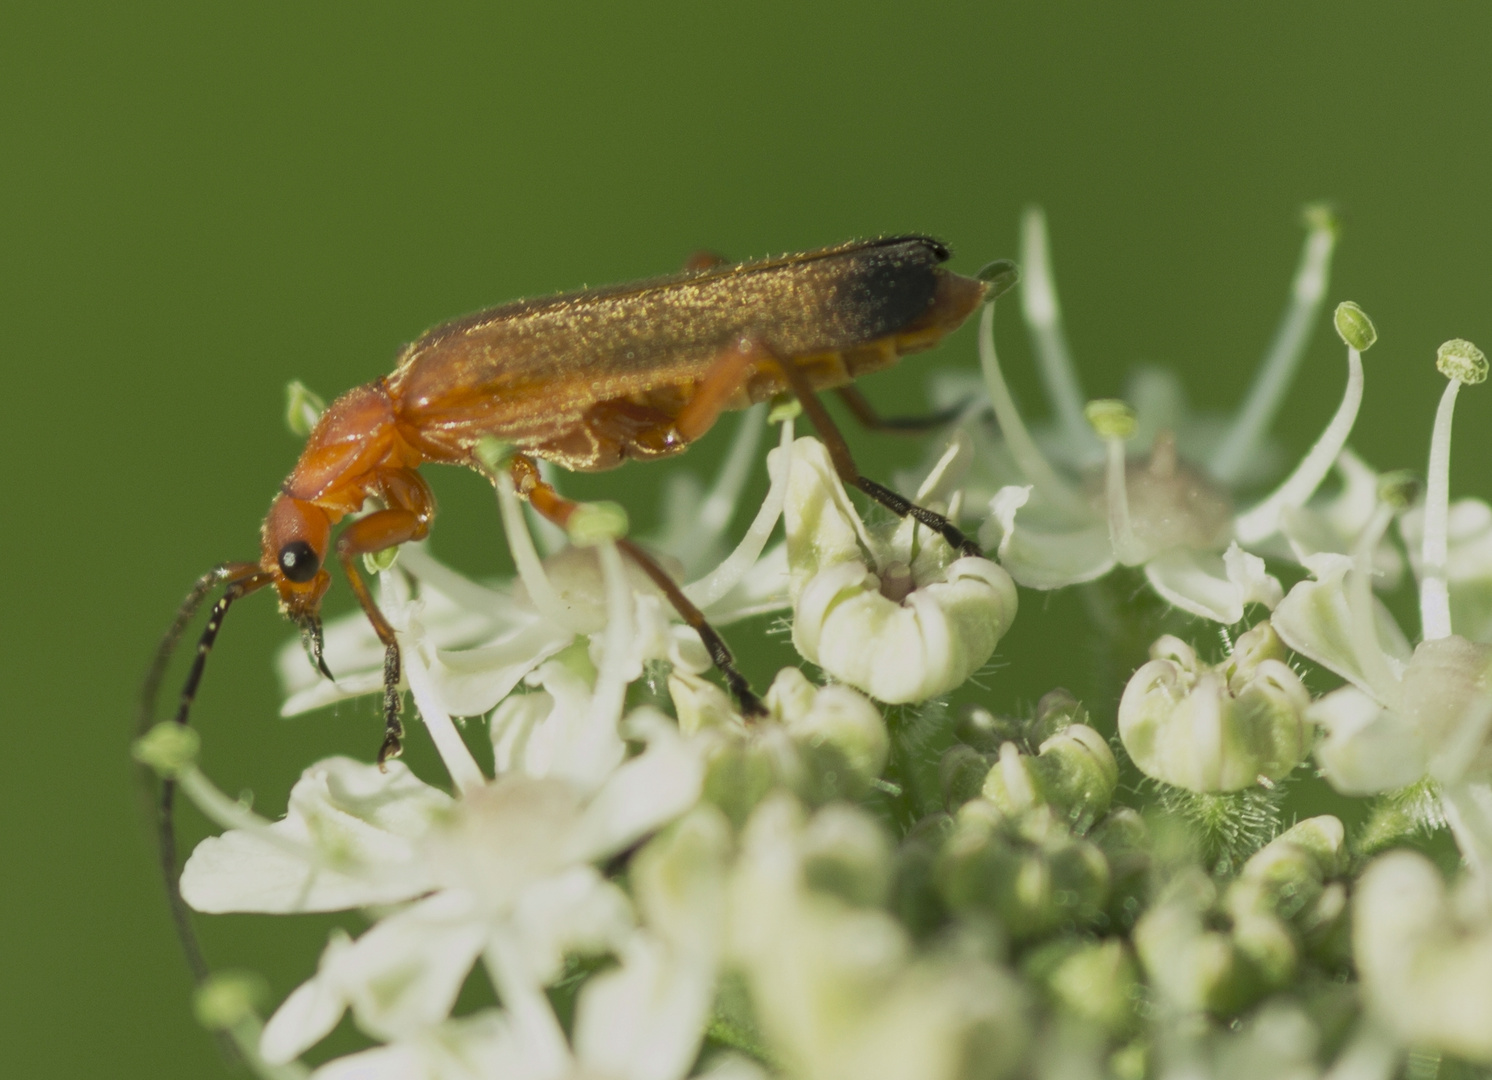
(915, 900)
(1195, 968)
(961, 773)
(1110, 418)
(1268, 949)
(168, 748)
(302, 408)
(1056, 710)
(740, 773)
(846, 855)
(1033, 881)
(986, 732)
(1461, 360)
(1400, 489)
(1354, 327)
(840, 734)
(1097, 982)
(1074, 772)
(1125, 842)
(1216, 728)
(228, 998)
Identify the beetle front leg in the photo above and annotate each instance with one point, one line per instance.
(379, 531)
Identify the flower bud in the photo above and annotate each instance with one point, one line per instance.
(1094, 981)
(1032, 881)
(1216, 728)
(840, 734)
(1425, 957)
(1195, 968)
(168, 748)
(986, 732)
(1074, 772)
(961, 773)
(228, 998)
(846, 855)
(303, 408)
(1354, 327)
(1056, 710)
(1459, 359)
(740, 773)
(900, 616)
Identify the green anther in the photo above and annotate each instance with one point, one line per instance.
(168, 748)
(1399, 489)
(303, 407)
(784, 407)
(1320, 217)
(595, 522)
(1461, 360)
(1110, 418)
(1001, 276)
(227, 999)
(1354, 327)
(379, 561)
(492, 453)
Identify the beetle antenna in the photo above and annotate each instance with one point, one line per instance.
(242, 579)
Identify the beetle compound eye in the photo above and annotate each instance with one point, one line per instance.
(298, 561)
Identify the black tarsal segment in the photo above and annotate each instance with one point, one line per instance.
(393, 727)
(903, 507)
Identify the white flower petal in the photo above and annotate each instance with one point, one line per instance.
(1316, 621)
(1367, 748)
(346, 841)
(1045, 557)
(403, 975)
(576, 911)
(311, 1011)
(1212, 586)
(822, 526)
(644, 1020)
(476, 1047)
(645, 793)
(471, 681)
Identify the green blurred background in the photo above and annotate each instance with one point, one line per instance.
(203, 201)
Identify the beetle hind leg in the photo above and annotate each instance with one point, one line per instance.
(849, 474)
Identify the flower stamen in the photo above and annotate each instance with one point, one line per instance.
(1114, 422)
(1460, 362)
(1263, 520)
(1044, 320)
(1022, 447)
(1285, 352)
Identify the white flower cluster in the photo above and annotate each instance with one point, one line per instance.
(868, 883)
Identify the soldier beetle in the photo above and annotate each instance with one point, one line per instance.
(586, 380)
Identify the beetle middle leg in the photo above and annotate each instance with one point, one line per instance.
(869, 418)
(558, 509)
(406, 518)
